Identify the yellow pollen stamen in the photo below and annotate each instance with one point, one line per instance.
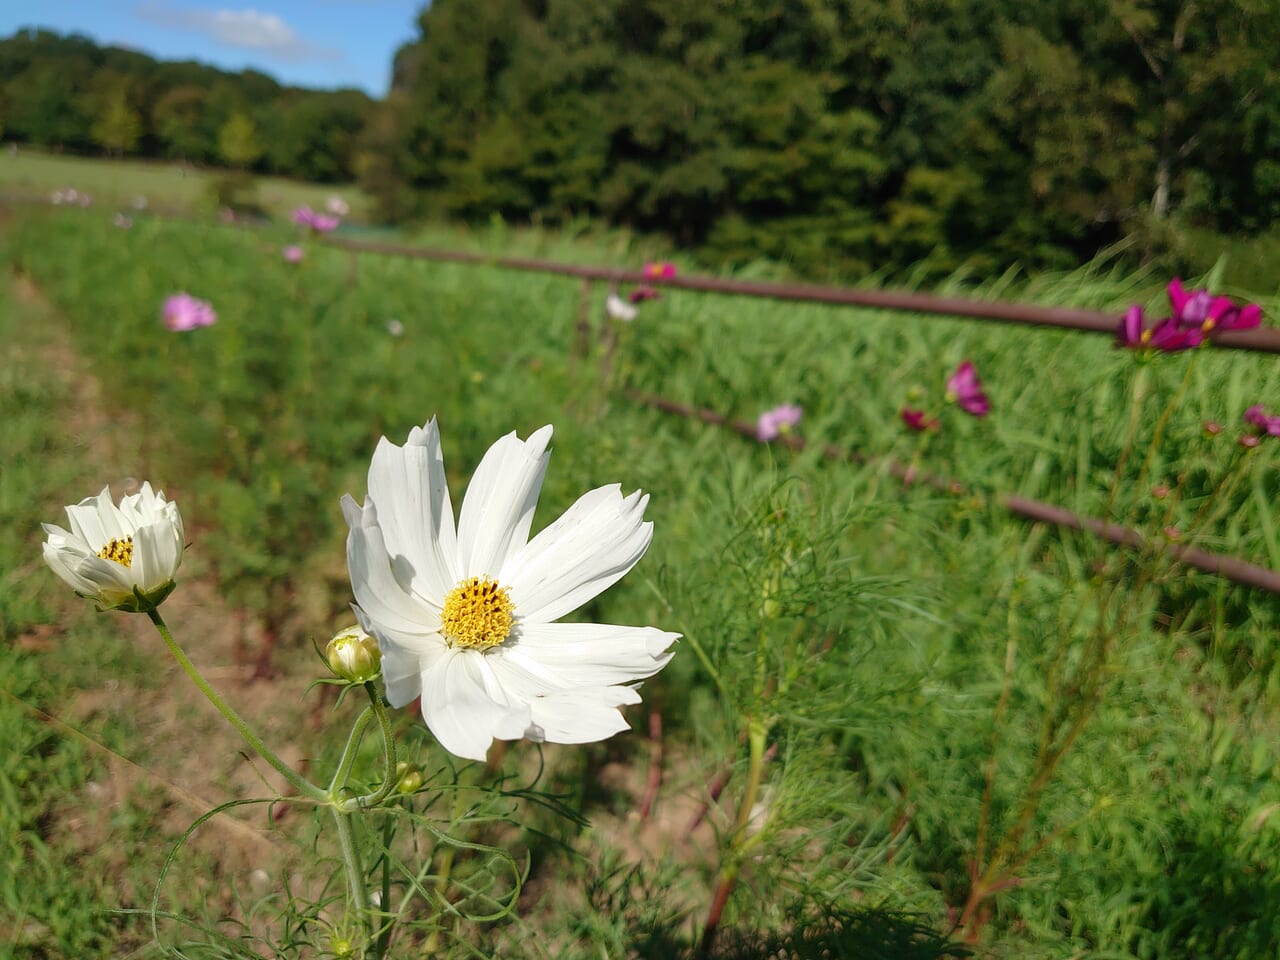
(121, 551)
(477, 614)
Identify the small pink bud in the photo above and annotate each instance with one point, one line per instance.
(1250, 440)
(1160, 491)
(1212, 428)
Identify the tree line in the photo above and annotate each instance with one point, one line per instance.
(844, 135)
(67, 93)
(839, 136)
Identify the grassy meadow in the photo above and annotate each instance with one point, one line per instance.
(904, 723)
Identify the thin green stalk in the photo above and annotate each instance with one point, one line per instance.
(389, 779)
(1156, 438)
(359, 899)
(349, 752)
(757, 732)
(291, 776)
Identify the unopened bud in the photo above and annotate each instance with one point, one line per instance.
(408, 778)
(354, 655)
(1250, 440)
(1160, 491)
(1211, 428)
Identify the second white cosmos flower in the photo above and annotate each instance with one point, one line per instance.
(466, 615)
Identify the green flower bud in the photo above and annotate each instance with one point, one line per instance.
(354, 655)
(409, 778)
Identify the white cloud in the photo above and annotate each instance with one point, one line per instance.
(249, 29)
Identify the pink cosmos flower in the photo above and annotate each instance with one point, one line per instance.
(1255, 416)
(184, 312)
(292, 253)
(917, 420)
(964, 388)
(1199, 308)
(1168, 337)
(319, 222)
(1133, 331)
(662, 270)
(644, 292)
(778, 421)
(337, 206)
(121, 221)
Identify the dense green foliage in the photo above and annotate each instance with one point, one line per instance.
(68, 93)
(844, 136)
(867, 628)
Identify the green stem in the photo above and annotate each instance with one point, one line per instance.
(349, 752)
(757, 731)
(355, 870)
(291, 776)
(389, 779)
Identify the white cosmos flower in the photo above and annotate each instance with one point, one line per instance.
(466, 617)
(122, 556)
(619, 309)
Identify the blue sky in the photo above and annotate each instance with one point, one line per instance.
(311, 43)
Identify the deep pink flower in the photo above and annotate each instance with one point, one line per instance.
(184, 312)
(1199, 308)
(774, 423)
(965, 388)
(1255, 416)
(1168, 337)
(662, 270)
(916, 420)
(644, 292)
(292, 253)
(1132, 329)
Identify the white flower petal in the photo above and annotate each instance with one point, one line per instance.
(409, 487)
(96, 520)
(381, 590)
(156, 554)
(466, 708)
(549, 657)
(581, 716)
(588, 549)
(497, 510)
(64, 554)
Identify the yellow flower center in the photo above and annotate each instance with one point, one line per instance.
(477, 614)
(121, 551)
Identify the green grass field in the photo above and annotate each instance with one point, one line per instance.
(32, 174)
(952, 698)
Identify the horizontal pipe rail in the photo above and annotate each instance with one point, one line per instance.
(1223, 565)
(1261, 339)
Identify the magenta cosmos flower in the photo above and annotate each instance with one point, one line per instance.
(774, 423)
(1201, 309)
(662, 270)
(1166, 336)
(184, 312)
(917, 420)
(1255, 416)
(965, 389)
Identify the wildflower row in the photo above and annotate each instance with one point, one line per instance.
(1234, 336)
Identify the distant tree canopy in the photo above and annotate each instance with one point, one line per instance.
(837, 135)
(842, 135)
(67, 93)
